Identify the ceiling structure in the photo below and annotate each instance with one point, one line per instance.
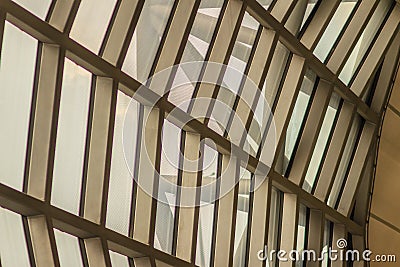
(69, 69)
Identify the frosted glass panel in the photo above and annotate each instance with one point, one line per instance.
(322, 142)
(13, 249)
(37, 7)
(122, 163)
(17, 69)
(71, 137)
(68, 249)
(146, 39)
(333, 30)
(91, 23)
(171, 138)
(118, 260)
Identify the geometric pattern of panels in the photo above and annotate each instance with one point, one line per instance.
(69, 69)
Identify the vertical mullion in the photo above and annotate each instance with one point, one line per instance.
(63, 14)
(335, 150)
(339, 232)
(97, 252)
(357, 169)
(377, 52)
(220, 53)
(287, 100)
(290, 216)
(259, 219)
(348, 40)
(318, 23)
(43, 241)
(310, 133)
(98, 157)
(149, 147)
(185, 244)
(316, 226)
(282, 10)
(28, 241)
(224, 228)
(386, 75)
(123, 16)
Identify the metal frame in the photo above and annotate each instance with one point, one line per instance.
(40, 217)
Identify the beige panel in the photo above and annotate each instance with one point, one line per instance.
(318, 24)
(351, 34)
(310, 134)
(383, 240)
(148, 150)
(289, 225)
(224, 228)
(94, 195)
(377, 51)
(119, 30)
(43, 242)
(386, 188)
(187, 224)
(357, 169)
(335, 151)
(42, 129)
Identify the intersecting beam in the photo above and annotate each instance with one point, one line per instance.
(29, 206)
(294, 45)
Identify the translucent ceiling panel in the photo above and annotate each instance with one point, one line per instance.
(71, 137)
(37, 7)
(118, 260)
(146, 39)
(345, 161)
(242, 218)
(165, 217)
(297, 117)
(91, 23)
(334, 28)
(322, 141)
(13, 247)
(206, 213)
(68, 249)
(361, 48)
(122, 164)
(17, 68)
(196, 49)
